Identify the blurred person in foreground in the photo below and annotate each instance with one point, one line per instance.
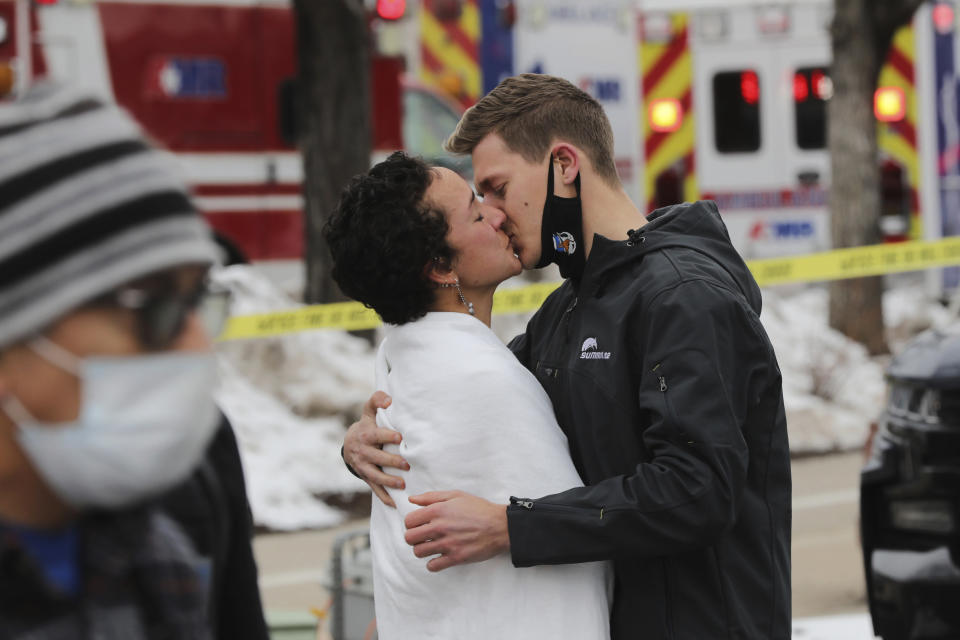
(416, 244)
(660, 374)
(106, 382)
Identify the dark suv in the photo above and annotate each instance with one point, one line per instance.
(909, 489)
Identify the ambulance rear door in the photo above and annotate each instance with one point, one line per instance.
(761, 140)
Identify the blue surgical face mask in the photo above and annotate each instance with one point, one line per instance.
(143, 426)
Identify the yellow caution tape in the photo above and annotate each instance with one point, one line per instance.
(830, 265)
(353, 316)
(857, 262)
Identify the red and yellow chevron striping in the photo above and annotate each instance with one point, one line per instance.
(666, 70)
(898, 140)
(449, 50)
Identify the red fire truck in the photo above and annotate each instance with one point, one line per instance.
(212, 81)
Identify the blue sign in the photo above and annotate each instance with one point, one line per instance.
(496, 54)
(948, 141)
(786, 230)
(191, 78)
(603, 89)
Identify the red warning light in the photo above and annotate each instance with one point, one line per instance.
(750, 87)
(943, 18)
(391, 9)
(821, 85)
(801, 90)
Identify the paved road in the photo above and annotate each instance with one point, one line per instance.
(827, 564)
(827, 569)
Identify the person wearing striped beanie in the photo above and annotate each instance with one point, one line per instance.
(106, 374)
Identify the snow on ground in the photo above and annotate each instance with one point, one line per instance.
(291, 398)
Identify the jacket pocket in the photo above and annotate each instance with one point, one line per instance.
(663, 383)
(539, 505)
(551, 378)
(660, 380)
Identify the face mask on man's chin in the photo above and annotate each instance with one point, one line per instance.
(561, 230)
(143, 426)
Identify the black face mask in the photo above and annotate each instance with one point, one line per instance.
(561, 231)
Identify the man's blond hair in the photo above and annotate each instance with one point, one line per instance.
(532, 110)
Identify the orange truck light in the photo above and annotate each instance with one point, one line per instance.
(666, 115)
(7, 79)
(890, 104)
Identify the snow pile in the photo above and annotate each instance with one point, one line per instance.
(289, 399)
(908, 311)
(832, 389)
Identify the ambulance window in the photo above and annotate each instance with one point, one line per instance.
(427, 122)
(811, 90)
(736, 111)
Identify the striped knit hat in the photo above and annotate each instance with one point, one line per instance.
(86, 205)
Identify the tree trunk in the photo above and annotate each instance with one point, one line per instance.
(856, 306)
(333, 123)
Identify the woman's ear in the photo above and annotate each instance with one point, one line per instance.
(440, 272)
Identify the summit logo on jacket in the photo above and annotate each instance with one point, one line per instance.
(590, 351)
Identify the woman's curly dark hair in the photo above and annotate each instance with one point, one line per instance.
(383, 235)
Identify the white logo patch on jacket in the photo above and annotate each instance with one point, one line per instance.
(590, 351)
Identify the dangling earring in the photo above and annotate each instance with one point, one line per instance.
(456, 283)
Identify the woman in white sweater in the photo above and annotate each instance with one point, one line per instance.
(416, 245)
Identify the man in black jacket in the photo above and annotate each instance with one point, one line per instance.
(660, 374)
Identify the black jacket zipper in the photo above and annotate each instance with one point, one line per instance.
(528, 504)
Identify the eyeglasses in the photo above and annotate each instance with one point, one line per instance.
(162, 315)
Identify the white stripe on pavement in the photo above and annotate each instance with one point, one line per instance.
(826, 499)
(856, 626)
(288, 578)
